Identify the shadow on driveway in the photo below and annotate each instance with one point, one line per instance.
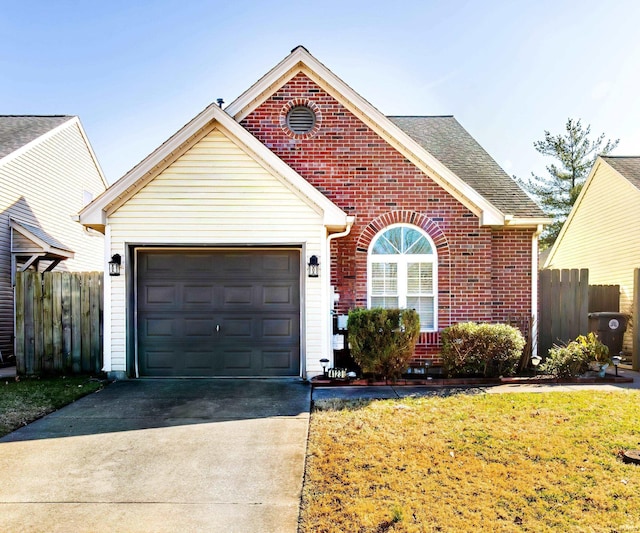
(161, 456)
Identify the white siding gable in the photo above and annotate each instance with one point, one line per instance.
(42, 185)
(216, 194)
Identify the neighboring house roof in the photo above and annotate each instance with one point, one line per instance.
(19, 130)
(627, 166)
(447, 140)
(95, 213)
(19, 133)
(301, 61)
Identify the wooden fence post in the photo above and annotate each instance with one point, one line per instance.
(635, 320)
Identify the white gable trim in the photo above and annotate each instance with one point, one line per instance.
(576, 205)
(300, 60)
(95, 214)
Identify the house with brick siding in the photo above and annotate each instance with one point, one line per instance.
(246, 237)
(48, 172)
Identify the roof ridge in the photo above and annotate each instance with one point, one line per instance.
(36, 116)
(620, 156)
(420, 116)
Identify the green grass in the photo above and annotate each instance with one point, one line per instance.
(511, 462)
(27, 400)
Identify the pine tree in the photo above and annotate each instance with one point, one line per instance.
(575, 154)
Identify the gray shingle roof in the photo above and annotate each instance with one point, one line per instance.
(18, 130)
(43, 235)
(628, 166)
(445, 139)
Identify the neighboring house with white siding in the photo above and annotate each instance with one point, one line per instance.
(237, 235)
(602, 231)
(48, 172)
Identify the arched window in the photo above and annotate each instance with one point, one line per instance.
(402, 272)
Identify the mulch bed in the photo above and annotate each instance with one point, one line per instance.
(321, 381)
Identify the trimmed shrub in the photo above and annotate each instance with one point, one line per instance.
(488, 350)
(573, 359)
(382, 341)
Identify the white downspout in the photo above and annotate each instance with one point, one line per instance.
(534, 290)
(331, 237)
(106, 329)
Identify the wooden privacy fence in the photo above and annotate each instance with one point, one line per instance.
(565, 301)
(59, 322)
(564, 306)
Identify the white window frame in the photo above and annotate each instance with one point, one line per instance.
(402, 261)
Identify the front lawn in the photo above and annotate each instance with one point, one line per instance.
(491, 462)
(27, 400)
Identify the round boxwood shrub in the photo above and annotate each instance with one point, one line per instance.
(488, 350)
(382, 341)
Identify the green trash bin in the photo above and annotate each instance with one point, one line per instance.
(610, 328)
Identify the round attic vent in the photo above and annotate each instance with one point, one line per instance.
(301, 119)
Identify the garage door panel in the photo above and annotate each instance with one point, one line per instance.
(277, 328)
(199, 327)
(158, 359)
(159, 327)
(276, 359)
(280, 263)
(272, 295)
(241, 327)
(219, 313)
(237, 295)
(198, 294)
(237, 359)
(198, 360)
(161, 294)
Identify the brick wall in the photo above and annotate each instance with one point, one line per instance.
(483, 275)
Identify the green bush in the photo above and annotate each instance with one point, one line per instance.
(382, 341)
(489, 350)
(574, 358)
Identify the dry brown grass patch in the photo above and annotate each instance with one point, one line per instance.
(512, 462)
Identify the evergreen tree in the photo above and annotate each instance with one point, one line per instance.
(575, 154)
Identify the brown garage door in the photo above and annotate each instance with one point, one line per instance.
(218, 312)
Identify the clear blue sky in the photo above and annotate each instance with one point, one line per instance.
(136, 71)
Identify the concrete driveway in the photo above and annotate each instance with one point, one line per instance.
(161, 455)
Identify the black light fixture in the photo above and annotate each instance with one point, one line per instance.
(616, 360)
(324, 362)
(114, 265)
(313, 266)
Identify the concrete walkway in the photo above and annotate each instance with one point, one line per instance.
(161, 455)
(391, 392)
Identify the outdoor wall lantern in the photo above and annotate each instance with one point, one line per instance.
(616, 360)
(313, 266)
(114, 265)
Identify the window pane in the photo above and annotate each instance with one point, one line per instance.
(424, 306)
(419, 246)
(384, 247)
(420, 278)
(386, 302)
(384, 279)
(390, 242)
